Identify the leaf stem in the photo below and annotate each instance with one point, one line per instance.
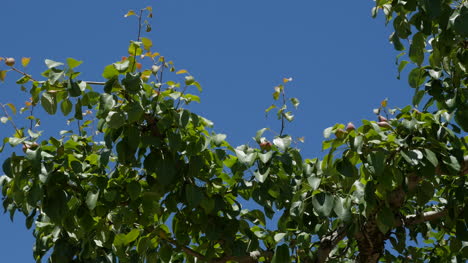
(11, 120)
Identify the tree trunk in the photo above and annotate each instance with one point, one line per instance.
(370, 242)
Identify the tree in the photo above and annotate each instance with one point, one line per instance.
(164, 187)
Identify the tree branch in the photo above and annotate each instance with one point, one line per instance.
(328, 242)
(187, 250)
(427, 216)
(252, 257)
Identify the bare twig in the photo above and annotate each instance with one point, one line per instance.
(95, 82)
(23, 73)
(11, 120)
(282, 113)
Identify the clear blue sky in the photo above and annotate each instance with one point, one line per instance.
(339, 57)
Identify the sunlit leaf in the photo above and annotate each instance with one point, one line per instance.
(130, 13)
(25, 61)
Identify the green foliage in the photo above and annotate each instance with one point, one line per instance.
(144, 179)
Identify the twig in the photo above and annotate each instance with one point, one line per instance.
(138, 38)
(187, 250)
(23, 73)
(11, 120)
(94, 82)
(428, 216)
(282, 113)
(181, 94)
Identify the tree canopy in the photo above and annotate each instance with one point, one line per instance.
(144, 179)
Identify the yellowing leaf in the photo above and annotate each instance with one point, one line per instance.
(12, 107)
(155, 54)
(182, 71)
(2, 75)
(25, 61)
(286, 80)
(130, 13)
(301, 139)
(384, 103)
(147, 43)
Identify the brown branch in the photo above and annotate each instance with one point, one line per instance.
(23, 73)
(421, 218)
(427, 216)
(94, 82)
(187, 250)
(328, 242)
(252, 257)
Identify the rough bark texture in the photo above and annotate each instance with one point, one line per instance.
(370, 242)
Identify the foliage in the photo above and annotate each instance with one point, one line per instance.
(144, 179)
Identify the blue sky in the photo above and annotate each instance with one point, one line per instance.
(339, 57)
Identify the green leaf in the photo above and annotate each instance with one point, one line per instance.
(314, 182)
(282, 143)
(416, 77)
(342, 208)
(323, 204)
(52, 64)
(461, 117)
(122, 66)
(193, 195)
(134, 111)
(66, 107)
(147, 43)
(385, 219)
(418, 97)
(327, 132)
(134, 49)
(218, 139)
(281, 254)
(401, 66)
(295, 102)
(279, 236)
(259, 134)
(270, 108)
(261, 177)
(73, 88)
(358, 144)
(265, 157)
(430, 155)
(110, 72)
(78, 111)
(133, 189)
(461, 22)
(91, 199)
(416, 52)
(132, 82)
(72, 63)
(115, 119)
(377, 162)
(122, 239)
(49, 102)
(247, 159)
(395, 40)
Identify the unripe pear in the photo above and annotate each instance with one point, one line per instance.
(350, 127)
(383, 124)
(10, 62)
(382, 119)
(265, 145)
